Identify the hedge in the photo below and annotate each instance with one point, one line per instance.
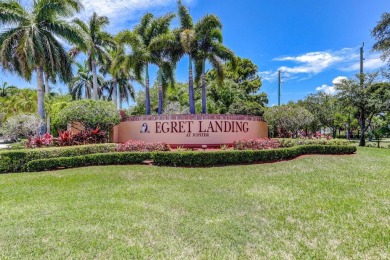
(16, 160)
(196, 159)
(117, 158)
(193, 159)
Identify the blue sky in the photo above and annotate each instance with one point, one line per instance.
(313, 43)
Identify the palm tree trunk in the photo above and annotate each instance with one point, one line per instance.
(115, 93)
(41, 98)
(147, 92)
(47, 92)
(191, 87)
(95, 86)
(160, 93)
(120, 102)
(204, 104)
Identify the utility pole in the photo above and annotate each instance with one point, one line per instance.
(361, 66)
(279, 87)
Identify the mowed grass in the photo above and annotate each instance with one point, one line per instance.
(310, 207)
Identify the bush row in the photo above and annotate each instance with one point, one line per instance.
(289, 142)
(193, 159)
(118, 158)
(16, 160)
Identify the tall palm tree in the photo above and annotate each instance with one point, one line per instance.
(95, 46)
(188, 42)
(187, 38)
(30, 43)
(208, 32)
(81, 84)
(119, 86)
(165, 51)
(140, 41)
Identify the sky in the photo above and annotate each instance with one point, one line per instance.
(313, 43)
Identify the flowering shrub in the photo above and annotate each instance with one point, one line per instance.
(39, 141)
(140, 146)
(256, 144)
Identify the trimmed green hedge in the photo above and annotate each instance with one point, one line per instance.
(196, 159)
(87, 160)
(193, 159)
(16, 161)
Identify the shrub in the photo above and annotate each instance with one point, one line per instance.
(196, 159)
(289, 142)
(256, 144)
(141, 146)
(15, 161)
(23, 125)
(88, 160)
(91, 114)
(39, 141)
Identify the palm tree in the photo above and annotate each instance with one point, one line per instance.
(165, 52)
(81, 84)
(210, 48)
(30, 43)
(188, 42)
(140, 41)
(6, 90)
(96, 44)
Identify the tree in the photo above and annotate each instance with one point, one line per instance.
(81, 85)
(95, 45)
(288, 117)
(6, 90)
(239, 92)
(325, 110)
(187, 39)
(369, 98)
(120, 83)
(91, 114)
(210, 48)
(30, 43)
(381, 33)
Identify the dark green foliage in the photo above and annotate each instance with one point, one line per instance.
(196, 159)
(86, 160)
(91, 114)
(15, 161)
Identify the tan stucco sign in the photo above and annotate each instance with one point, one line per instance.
(191, 130)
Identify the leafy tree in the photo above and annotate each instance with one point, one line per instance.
(208, 33)
(325, 110)
(288, 117)
(91, 114)
(369, 99)
(95, 45)
(239, 93)
(30, 43)
(381, 33)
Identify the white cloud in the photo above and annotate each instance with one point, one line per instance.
(327, 89)
(331, 89)
(312, 63)
(338, 80)
(121, 12)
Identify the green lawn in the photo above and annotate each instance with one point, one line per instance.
(311, 207)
